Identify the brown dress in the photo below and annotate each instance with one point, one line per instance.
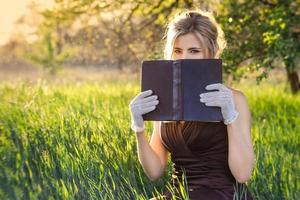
(200, 151)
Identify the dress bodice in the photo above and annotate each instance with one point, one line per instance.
(201, 149)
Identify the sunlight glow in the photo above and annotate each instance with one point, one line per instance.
(11, 11)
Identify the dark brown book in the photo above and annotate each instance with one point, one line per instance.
(178, 84)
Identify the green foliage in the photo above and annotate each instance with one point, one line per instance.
(73, 141)
(51, 50)
(43, 53)
(260, 34)
(261, 31)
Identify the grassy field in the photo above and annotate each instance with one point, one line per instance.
(72, 140)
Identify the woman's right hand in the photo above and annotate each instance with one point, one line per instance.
(141, 104)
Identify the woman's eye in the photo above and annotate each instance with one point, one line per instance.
(176, 51)
(195, 51)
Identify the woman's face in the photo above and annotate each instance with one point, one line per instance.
(187, 46)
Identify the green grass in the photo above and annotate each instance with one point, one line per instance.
(73, 141)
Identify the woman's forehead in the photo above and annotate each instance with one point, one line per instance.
(188, 40)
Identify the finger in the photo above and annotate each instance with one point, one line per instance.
(139, 107)
(147, 99)
(142, 95)
(216, 86)
(215, 94)
(220, 101)
(147, 104)
(213, 103)
(204, 100)
(209, 94)
(148, 109)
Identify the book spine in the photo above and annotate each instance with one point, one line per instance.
(177, 91)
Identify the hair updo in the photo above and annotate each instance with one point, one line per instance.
(203, 25)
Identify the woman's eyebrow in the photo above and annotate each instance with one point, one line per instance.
(192, 48)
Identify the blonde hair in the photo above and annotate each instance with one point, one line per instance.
(203, 25)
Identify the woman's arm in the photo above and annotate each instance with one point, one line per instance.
(153, 156)
(241, 155)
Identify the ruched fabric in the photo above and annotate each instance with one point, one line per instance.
(200, 151)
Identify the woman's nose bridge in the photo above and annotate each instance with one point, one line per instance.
(185, 54)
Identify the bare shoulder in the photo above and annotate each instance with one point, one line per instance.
(239, 97)
(241, 103)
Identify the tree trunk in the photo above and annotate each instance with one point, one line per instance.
(292, 75)
(120, 64)
(293, 80)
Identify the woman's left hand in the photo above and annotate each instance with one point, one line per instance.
(222, 98)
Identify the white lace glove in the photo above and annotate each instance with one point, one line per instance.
(140, 105)
(222, 98)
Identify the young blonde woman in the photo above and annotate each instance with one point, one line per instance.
(215, 156)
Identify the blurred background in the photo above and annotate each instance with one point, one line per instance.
(51, 35)
(69, 69)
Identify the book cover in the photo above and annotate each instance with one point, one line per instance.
(178, 84)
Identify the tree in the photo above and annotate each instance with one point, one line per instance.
(129, 31)
(261, 32)
(50, 50)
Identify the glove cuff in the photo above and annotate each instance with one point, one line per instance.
(136, 128)
(232, 119)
